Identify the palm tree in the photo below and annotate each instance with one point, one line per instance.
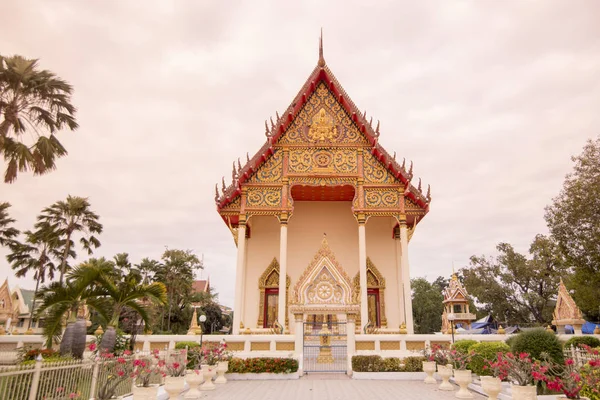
(36, 254)
(69, 299)
(7, 231)
(68, 218)
(37, 102)
(128, 291)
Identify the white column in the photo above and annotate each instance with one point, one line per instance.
(410, 326)
(282, 273)
(239, 277)
(362, 268)
(399, 280)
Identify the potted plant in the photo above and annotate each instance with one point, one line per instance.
(224, 355)
(174, 379)
(520, 369)
(492, 385)
(116, 370)
(440, 355)
(144, 369)
(429, 366)
(566, 378)
(462, 375)
(590, 373)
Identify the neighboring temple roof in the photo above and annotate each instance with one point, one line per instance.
(200, 286)
(321, 73)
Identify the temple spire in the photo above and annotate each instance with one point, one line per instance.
(321, 58)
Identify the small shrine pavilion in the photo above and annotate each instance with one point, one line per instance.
(456, 307)
(322, 216)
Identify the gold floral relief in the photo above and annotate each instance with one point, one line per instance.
(263, 197)
(234, 205)
(322, 120)
(323, 181)
(342, 161)
(375, 172)
(381, 198)
(271, 171)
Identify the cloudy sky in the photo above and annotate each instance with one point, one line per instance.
(489, 99)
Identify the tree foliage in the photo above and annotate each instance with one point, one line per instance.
(7, 231)
(34, 105)
(516, 289)
(574, 221)
(427, 305)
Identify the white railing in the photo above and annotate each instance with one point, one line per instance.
(40, 380)
(578, 354)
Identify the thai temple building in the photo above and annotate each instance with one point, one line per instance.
(322, 216)
(456, 306)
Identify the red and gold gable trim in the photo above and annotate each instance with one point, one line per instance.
(321, 140)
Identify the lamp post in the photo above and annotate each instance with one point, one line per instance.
(451, 317)
(202, 319)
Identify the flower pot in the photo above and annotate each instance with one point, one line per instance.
(174, 385)
(145, 393)
(209, 373)
(222, 367)
(528, 392)
(492, 386)
(429, 369)
(463, 378)
(445, 373)
(193, 378)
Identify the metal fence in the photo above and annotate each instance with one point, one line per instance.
(325, 347)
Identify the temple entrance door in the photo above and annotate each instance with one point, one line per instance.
(325, 344)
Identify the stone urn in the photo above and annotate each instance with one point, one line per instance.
(528, 392)
(445, 373)
(492, 386)
(145, 393)
(463, 377)
(193, 378)
(222, 367)
(209, 372)
(174, 386)
(429, 369)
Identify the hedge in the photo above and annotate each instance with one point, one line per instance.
(189, 345)
(391, 364)
(485, 351)
(464, 345)
(577, 340)
(538, 341)
(263, 364)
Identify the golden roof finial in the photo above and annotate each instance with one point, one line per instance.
(321, 59)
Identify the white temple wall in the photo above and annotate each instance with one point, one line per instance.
(310, 220)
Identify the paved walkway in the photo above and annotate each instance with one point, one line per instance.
(329, 389)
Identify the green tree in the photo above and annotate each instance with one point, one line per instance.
(176, 272)
(37, 103)
(574, 221)
(69, 218)
(427, 305)
(36, 253)
(7, 231)
(515, 289)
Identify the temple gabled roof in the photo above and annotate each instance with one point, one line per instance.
(455, 292)
(321, 73)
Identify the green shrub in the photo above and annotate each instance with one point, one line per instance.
(464, 345)
(577, 340)
(367, 363)
(536, 342)
(485, 351)
(391, 364)
(53, 359)
(510, 340)
(190, 345)
(413, 364)
(263, 364)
